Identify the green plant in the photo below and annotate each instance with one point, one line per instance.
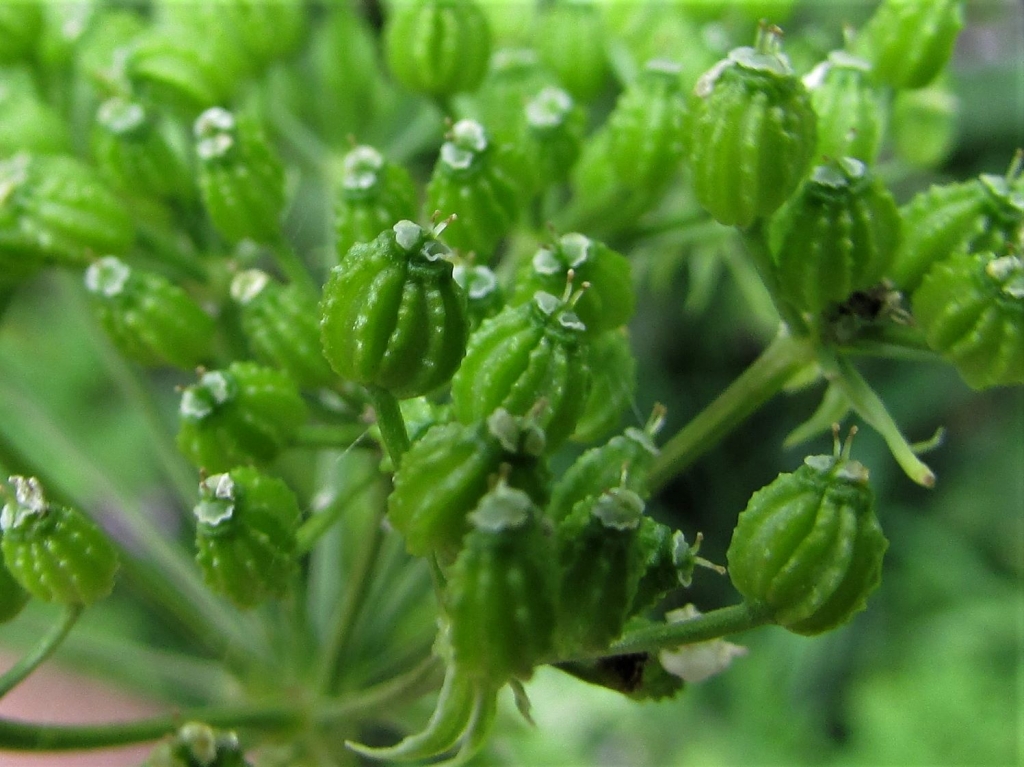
(406, 449)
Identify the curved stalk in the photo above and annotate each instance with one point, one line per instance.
(43, 650)
(391, 423)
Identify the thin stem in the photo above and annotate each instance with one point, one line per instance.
(755, 238)
(357, 587)
(319, 436)
(870, 407)
(421, 679)
(391, 423)
(755, 386)
(27, 736)
(319, 523)
(712, 625)
(49, 642)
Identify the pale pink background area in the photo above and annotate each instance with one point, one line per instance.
(52, 694)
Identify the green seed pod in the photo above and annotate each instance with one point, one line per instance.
(669, 562)
(909, 42)
(924, 124)
(56, 553)
(149, 319)
(437, 47)
(646, 129)
(393, 315)
(523, 356)
(971, 309)
(515, 76)
(447, 471)
(103, 52)
(808, 546)
(553, 135)
(280, 323)
(571, 42)
(601, 564)
(838, 234)
(245, 535)
(241, 177)
(198, 745)
(134, 154)
(477, 181)
(607, 301)
(752, 134)
(245, 414)
(21, 25)
(501, 593)
(977, 215)
(612, 389)
(264, 31)
(598, 470)
(484, 296)
(851, 111)
(27, 123)
(55, 209)
(374, 194)
(12, 596)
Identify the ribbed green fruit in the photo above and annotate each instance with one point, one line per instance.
(245, 535)
(392, 315)
(808, 546)
(515, 76)
(669, 562)
(526, 359)
(909, 42)
(971, 309)
(240, 176)
(133, 153)
(56, 553)
(601, 563)
(501, 590)
(12, 596)
(613, 382)
(752, 134)
(554, 126)
(27, 122)
(437, 47)
(608, 299)
(198, 745)
(21, 25)
(448, 470)
(851, 110)
(977, 215)
(836, 235)
(56, 210)
(373, 195)
(602, 468)
(570, 39)
(646, 129)
(484, 296)
(924, 124)
(479, 182)
(281, 327)
(244, 414)
(149, 319)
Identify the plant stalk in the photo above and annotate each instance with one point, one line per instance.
(46, 646)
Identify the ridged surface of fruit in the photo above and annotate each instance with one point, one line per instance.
(752, 135)
(838, 234)
(608, 299)
(851, 111)
(525, 359)
(553, 132)
(437, 47)
(374, 195)
(808, 546)
(910, 41)
(244, 414)
(245, 535)
(149, 319)
(447, 471)
(501, 596)
(56, 553)
(54, 209)
(13, 597)
(971, 309)
(281, 327)
(392, 314)
(571, 42)
(481, 184)
(601, 564)
(240, 177)
(613, 383)
(975, 215)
